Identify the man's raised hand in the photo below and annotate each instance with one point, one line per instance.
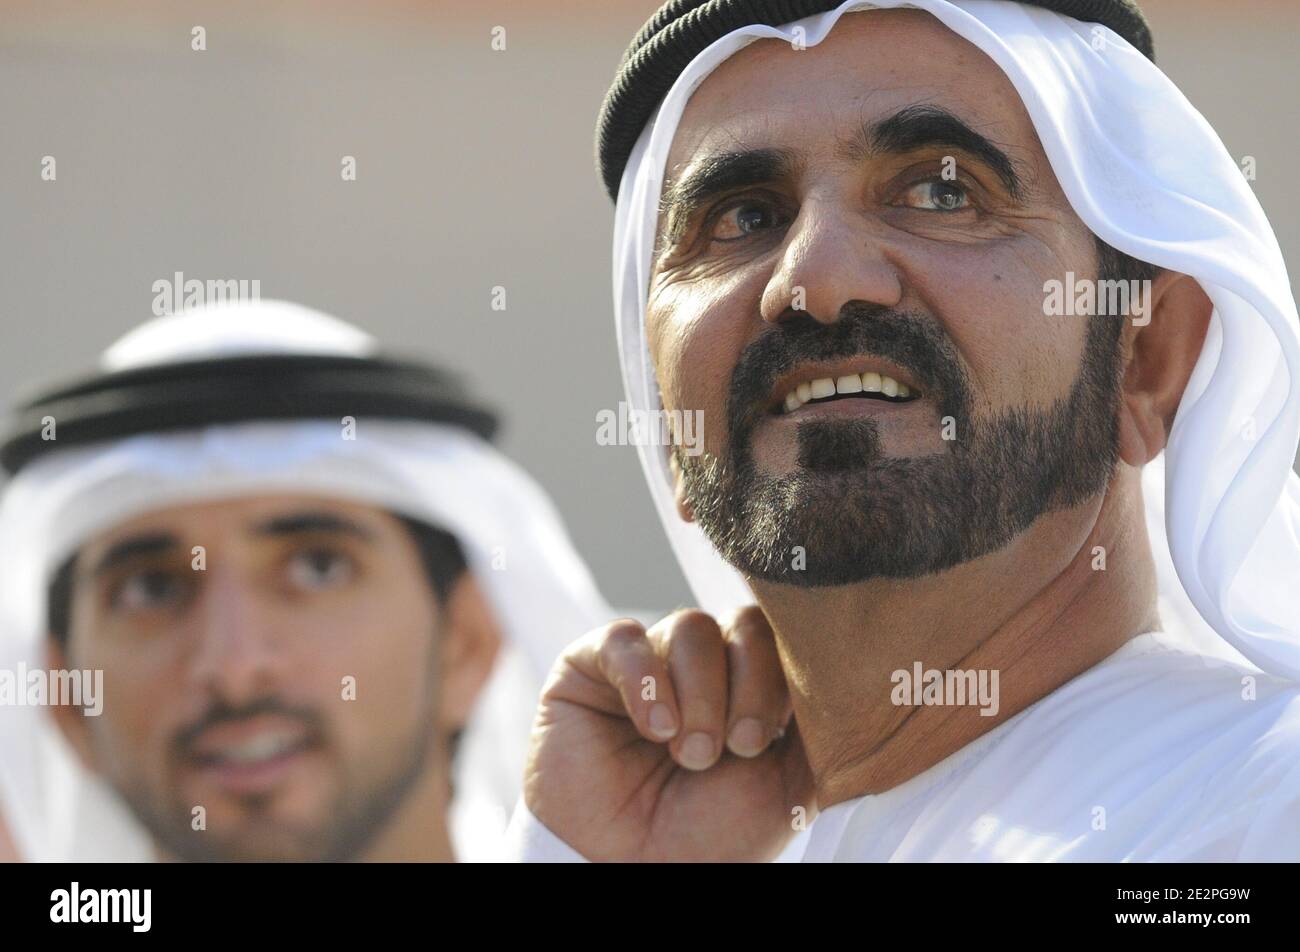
(675, 743)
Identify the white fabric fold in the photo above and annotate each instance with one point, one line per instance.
(529, 840)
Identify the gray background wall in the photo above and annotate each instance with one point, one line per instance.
(474, 170)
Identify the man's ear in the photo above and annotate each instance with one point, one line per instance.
(69, 718)
(1160, 355)
(469, 641)
(679, 489)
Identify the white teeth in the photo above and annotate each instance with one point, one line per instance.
(262, 747)
(823, 387)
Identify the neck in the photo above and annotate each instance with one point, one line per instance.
(1034, 615)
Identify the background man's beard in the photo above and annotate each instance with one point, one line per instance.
(362, 809)
(855, 515)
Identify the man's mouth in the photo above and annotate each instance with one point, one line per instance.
(260, 749)
(824, 385)
(252, 756)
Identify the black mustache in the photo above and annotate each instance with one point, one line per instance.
(222, 713)
(914, 341)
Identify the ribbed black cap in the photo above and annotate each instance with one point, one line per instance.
(675, 35)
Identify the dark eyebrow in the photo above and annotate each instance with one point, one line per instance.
(716, 174)
(917, 127)
(911, 128)
(133, 547)
(300, 523)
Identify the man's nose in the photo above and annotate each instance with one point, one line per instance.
(833, 254)
(236, 654)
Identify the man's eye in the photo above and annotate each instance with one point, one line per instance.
(144, 591)
(744, 219)
(937, 195)
(317, 569)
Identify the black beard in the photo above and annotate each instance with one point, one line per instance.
(848, 513)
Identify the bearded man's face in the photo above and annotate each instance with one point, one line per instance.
(875, 213)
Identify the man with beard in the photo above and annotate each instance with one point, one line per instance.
(320, 601)
(840, 239)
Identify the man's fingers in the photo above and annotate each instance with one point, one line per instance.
(626, 659)
(758, 702)
(697, 662)
(690, 684)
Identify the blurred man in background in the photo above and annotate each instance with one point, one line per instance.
(316, 601)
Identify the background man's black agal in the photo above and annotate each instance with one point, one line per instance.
(681, 29)
(238, 389)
